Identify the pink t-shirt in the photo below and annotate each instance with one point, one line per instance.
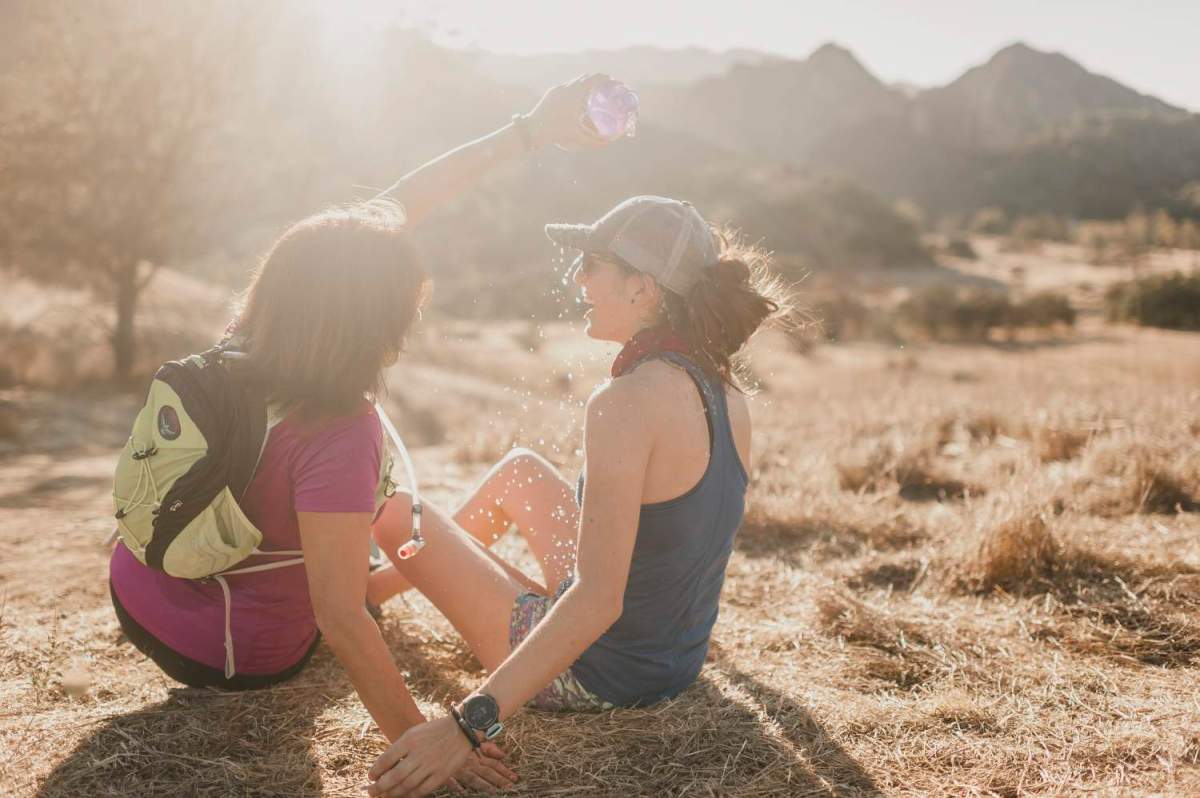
(334, 469)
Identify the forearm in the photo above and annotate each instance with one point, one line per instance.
(443, 178)
(573, 623)
(359, 647)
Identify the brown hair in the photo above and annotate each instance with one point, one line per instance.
(329, 305)
(728, 305)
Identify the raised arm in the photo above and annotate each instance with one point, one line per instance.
(554, 120)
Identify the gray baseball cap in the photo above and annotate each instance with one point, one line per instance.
(665, 238)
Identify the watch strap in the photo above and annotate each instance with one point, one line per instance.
(464, 728)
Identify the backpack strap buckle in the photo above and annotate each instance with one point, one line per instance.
(142, 455)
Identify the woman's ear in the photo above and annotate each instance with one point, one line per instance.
(649, 290)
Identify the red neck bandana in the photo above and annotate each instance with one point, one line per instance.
(646, 343)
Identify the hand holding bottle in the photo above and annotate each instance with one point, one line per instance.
(584, 114)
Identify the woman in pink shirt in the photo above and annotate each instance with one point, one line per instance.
(327, 311)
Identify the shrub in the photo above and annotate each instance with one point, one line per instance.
(989, 221)
(1042, 227)
(961, 248)
(841, 317)
(943, 313)
(1171, 301)
(977, 312)
(1044, 309)
(938, 312)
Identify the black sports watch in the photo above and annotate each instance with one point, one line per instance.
(482, 713)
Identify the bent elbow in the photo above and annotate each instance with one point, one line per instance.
(608, 607)
(615, 608)
(335, 624)
(604, 603)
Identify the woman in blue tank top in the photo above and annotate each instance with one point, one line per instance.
(634, 559)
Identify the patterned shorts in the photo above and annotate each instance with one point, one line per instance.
(565, 693)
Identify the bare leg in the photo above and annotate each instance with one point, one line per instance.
(468, 584)
(384, 583)
(525, 490)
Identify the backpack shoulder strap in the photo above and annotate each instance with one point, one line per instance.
(417, 543)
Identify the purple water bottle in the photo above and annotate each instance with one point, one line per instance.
(612, 110)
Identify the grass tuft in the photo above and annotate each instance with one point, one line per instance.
(1014, 549)
(1126, 478)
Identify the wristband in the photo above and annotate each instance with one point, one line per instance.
(521, 123)
(464, 728)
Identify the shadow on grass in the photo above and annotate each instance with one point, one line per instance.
(201, 742)
(750, 736)
(835, 772)
(727, 734)
(822, 538)
(894, 574)
(1119, 608)
(1095, 603)
(260, 742)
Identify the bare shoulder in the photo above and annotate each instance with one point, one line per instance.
(657, 390)
(639, 399)
(653, 386)
(621, 400)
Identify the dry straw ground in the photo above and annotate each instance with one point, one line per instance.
(965, 571)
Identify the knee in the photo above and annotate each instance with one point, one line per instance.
(523, 462)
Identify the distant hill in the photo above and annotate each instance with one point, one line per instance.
(779, 109)
(1014, 131)
(1021, 93)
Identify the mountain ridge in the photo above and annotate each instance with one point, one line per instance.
(949, 147)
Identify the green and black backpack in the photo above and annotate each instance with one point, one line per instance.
(191, 456)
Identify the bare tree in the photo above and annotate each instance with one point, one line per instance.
(107, 109)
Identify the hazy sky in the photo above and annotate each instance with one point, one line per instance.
(1152, 46)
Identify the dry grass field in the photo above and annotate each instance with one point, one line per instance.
(965, 571)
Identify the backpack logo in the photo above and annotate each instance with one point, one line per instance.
(168, 423)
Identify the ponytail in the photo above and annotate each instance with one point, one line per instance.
(731, 301)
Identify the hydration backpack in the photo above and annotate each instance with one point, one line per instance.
(192, 454)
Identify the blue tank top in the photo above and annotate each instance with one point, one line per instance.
(658, 645)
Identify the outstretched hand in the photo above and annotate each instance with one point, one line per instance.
(429, 755)
(558, 116)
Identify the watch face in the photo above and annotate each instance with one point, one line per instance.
(481, 711)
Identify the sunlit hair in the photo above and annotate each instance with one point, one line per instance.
(730, 302)
(330, 306)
